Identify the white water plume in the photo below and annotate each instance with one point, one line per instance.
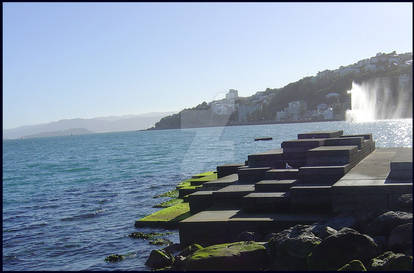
(376, 99)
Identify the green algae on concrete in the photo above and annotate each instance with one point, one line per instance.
(168, 203)
(167, 218)
(160, 241)
(171, 193)
(204, 174)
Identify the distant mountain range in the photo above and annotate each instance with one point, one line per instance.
(83, 126)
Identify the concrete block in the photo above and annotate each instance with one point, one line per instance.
(251, 175)
(281, 174)
(274, 185)
(231, 195)
(320, 134)
(342, 141)
(365, 136)
(310, 198)
(266, 201)
(200, 200)
(332, 155)
(272, 158)
(227, 169)
(302, 143)
(401, 166)
(221, 182)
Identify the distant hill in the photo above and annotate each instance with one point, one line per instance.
(324, 96)
(69, 132)
(93, 125)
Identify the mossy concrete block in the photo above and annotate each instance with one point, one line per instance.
(167, 218)
(204, 174)
(390, 261)
(201, 180)
(232, 256)
(354, 265)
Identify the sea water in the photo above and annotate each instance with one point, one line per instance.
(68, 202)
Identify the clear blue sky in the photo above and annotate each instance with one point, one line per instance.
(84, 60)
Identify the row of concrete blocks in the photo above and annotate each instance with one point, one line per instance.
(295, 152)
(264, 196)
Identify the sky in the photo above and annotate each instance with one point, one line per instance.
(85, 60)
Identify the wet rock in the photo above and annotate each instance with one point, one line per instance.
(381, 241)
(401, 238)
(323, 231)
(114, 258)
(268, 236)
(160, 242)
(292, 246)
(159, 259)
(405, 202)
(231, 256)
(391, 261)
(248, 236)
(354, 265)
(173, 248)
(340, 248)
(386, 222)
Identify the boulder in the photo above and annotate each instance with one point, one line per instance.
(114, 258)
(230, 256)
(354, 265)
(323, 231)
(190, 250)
(248, 236)
(338, 249)
(391, 261)
(401, 238)
(405, 202)
(159, 259)
(386, 222)
(292, 246)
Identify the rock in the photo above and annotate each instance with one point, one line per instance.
(248, 236)
(323, 231)
(179, 262)
(340, 248)
(386, 222)
(159, 259)
(401, 238)
(391, 261)
(354, 265)
(173, 248)
(190, 250)
(381, 241)
(231, 256)
(160, 241)
(292, 246)
(268, 236)
(405, 202)
(114, 258)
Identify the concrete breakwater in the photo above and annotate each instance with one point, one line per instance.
(312, 179)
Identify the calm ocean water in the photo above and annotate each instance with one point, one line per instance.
(68, 202)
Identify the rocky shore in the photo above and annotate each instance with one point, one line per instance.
(374, 240)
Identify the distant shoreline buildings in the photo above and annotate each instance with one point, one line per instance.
(323, 97)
